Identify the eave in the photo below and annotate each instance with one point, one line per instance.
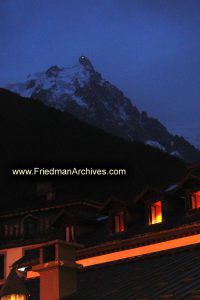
(148, 238)
(69, 204)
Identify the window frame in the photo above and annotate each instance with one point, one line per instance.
(189, 200)
(116, 213)
(70, 225)
(149, 205)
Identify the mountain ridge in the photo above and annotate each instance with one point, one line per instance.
(35, 135)
(82, 91)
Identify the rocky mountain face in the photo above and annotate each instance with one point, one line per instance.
(36, 135)
(82, 91)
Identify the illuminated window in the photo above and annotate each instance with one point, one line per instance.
(195, 197)
(119, 222)
(155, 213)
(14, 297)
(70, 235)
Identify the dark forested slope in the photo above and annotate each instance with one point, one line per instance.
(33, 135)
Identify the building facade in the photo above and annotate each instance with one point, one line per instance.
(110, 238)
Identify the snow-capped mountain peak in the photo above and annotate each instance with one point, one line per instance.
(61, 83)
(82, 91)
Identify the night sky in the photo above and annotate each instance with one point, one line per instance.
(150, 49)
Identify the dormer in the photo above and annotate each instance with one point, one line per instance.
(188, 191)
(193, 200)
(155, 212)
(65, 223)
(70, 232)
(194, 169)
(153, 201)
(192, 194)
(116, 211)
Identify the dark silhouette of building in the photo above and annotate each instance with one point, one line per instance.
(144, 248)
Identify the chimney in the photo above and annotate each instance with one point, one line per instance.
(58, 277)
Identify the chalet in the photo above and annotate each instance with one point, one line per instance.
(144, 248)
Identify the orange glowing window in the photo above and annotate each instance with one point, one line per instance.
(119, 221)
(155, 212)
(14, 297)
(195, 200)
(70, 235)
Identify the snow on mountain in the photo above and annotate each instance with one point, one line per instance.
(176, 153)
(82, 91)
(56, 81)
(155, 144)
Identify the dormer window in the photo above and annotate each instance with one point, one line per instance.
(155, 212)
(195, 200)
(70, 233)
(118, 221)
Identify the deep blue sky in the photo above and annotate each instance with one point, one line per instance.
(150, 49)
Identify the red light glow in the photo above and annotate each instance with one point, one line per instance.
(195, 200)
(130, 253)
(31, 274)
(156, 213)
(119, 222)
(185, 241)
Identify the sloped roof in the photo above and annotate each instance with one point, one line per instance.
(111, 201)
(14, 285)
(186, 179)
(148, 189)
(175, 273)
